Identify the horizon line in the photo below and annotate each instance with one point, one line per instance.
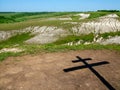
(63, 11)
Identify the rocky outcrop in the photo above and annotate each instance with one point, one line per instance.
(62, 18)
(104, 24)
(112, 40)
(7, 34)
(83, 15)
(15, 50)
(46, 35)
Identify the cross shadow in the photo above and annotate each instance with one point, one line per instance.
(90, 67)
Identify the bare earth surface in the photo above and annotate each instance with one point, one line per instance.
(44, 71)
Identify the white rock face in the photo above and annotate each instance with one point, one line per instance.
(83, 15)
(71, 23)
(46, 35)
(67, 18)
(110, 16)
(7, 34)
(42, 34)
(10, 50)
(104, 24)
(113, 40)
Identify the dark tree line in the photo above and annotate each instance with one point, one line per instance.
(108, 10)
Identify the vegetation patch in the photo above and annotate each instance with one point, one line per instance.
(22, 16)
(15, 40)
(7, 54)
(75, 18)
(94, 15)
(32, 49)
(111, 34)
(25, 24)
(14, 21)
(74, 38)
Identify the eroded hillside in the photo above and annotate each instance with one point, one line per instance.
(60, 31)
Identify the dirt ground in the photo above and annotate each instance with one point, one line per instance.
(44, 71)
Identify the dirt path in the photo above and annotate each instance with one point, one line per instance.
(45, 71)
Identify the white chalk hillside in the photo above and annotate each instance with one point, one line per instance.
(83, 15)
(49, 34)
(104, 24)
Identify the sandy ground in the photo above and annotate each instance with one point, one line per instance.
(44, 71)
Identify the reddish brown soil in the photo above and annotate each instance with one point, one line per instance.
(45, 71)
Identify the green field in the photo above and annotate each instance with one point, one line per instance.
(17, 20)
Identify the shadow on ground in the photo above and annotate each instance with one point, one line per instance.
(90, 67)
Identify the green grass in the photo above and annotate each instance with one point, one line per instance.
(112, 34)
(35, 22)
(3, 56)
(74, 38)
(15, 40)
(33, 49)
(54, 47)
(75, 18)
(94, 15)
(23, 16)
(22, 25)
(15, 21)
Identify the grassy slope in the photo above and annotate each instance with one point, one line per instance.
(17, 17)
(74, 38)
(18, 41)
(98, 14)
(36, 20)
(23, 20)
(12, 21)
(20, 22)
(15, 41)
